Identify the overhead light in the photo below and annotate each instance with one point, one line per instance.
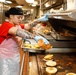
(35, 2)
(29, 1)
(7, 2)
(2, 0)
(19, 6)
(33, 5)
(47, 4)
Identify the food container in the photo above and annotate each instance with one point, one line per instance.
(31, 49)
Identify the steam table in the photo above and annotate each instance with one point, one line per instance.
(33, 63)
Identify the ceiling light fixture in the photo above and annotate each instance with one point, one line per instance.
(7, 2)
(33, 5)
(35, 2)
(2, 0)
(29, 1)
(19, 6)
(47, 5)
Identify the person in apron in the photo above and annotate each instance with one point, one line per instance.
(10, 32)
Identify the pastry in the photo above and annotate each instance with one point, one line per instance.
(71, 74)
(51, 70)
(48, 57)
(51, 63)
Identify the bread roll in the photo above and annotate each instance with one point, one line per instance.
(51, 63)
(48, 57)
(46, 60)
(71, 74)
(51, 70)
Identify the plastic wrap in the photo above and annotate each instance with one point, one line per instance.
(9, 66)
(9, 57)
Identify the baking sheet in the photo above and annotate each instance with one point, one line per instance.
(33, 42)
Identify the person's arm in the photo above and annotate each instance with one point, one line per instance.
(24, 35)
(34, 23)
(19, 32)
(41, 19)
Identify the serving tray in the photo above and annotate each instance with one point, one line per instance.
(34, 50)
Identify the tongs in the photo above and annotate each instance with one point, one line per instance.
(24, 39)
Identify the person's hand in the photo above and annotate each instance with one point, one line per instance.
(40, 37)
(44, 18)
(43, 42)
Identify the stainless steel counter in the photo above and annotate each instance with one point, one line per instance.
(61, 50)
(34, 65)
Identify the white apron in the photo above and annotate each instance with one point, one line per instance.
(9, 57)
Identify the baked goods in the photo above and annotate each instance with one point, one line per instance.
(48, 57)
(51, 63)
(71, 74)
(46, 31)
(43, 45)
(51, 70)
(27, 45)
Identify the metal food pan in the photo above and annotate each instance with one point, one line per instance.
(33, 42)
(65, 38)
